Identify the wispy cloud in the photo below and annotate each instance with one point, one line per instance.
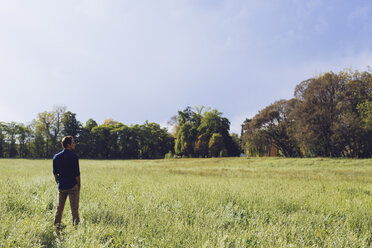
(360, 13)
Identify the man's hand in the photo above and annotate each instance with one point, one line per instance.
(56, 178)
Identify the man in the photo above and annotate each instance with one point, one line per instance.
(67, 176)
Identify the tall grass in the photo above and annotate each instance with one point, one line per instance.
(226, 202)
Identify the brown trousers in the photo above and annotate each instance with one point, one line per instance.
(73, 194)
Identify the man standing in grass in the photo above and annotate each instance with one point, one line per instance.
(67, 175)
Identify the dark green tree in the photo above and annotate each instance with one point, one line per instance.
(213, 122)
(71, 126)
(128, 141)
(216, 145)
(195, 128)
(104, 141)
(86, 147)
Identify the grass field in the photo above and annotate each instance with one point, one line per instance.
(227, 202)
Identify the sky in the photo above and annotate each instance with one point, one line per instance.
(144, 60)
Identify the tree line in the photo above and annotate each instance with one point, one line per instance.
(196, 134)
(330, 115)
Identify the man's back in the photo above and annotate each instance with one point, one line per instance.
(67, 175)
(66, 166)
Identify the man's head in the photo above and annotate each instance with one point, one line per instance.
(68, 143)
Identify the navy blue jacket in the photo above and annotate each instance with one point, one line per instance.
(66, 167)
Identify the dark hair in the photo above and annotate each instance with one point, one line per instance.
(67, 141)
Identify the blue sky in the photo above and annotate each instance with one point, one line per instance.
(144, 60)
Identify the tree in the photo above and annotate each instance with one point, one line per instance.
(186, 131)
(196, 126)
(90, 124)
(201, 148)
(50, 123)
(216, 145)
(213, 122)
(110, 121)
(128, 142)
(24, 137)
(185, 140)
(272, 124)
(316, 113)
(11, 133)
(86, 147)
(327, 118)
(365, 110)
(104, 140)
(349, 131)
(237, 141)
(155, 141)
(184, 116)
(39, 150)
(71, 126)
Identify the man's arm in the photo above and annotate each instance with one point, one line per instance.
(77, 171)
(78, 181)
(55, 169)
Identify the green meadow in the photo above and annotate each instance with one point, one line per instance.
(222, 202)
